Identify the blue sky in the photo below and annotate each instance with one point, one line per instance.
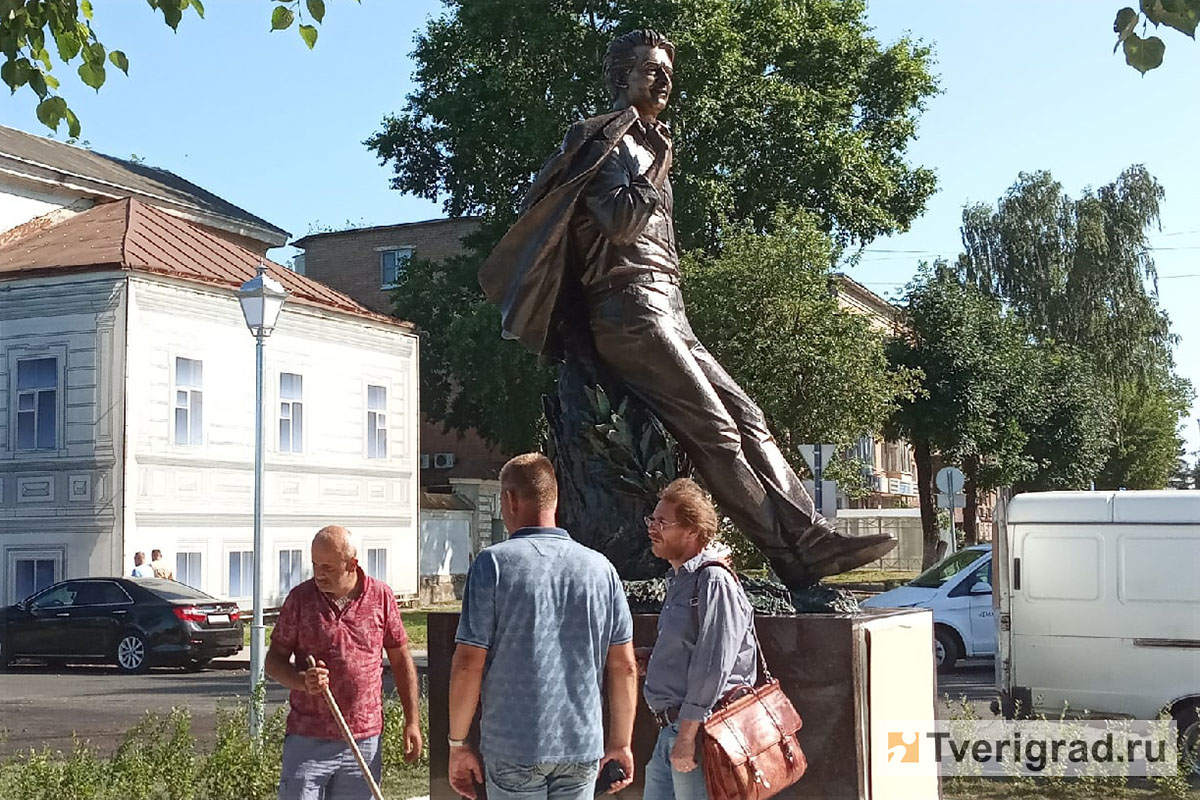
(1027, 85)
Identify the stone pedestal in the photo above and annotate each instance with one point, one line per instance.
(847, 675)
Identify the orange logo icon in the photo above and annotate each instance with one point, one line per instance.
(903, 748)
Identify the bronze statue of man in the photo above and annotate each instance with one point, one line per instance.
(596, 238)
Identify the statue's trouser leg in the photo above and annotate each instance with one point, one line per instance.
(642, 334)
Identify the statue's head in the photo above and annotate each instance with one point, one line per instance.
(639, 71)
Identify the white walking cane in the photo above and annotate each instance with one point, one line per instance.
(349, 737)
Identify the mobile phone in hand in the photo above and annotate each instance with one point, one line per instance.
(612, 773)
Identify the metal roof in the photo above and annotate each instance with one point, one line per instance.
(1140, 507)
(48, 162)
(131, 235)
(304, 241)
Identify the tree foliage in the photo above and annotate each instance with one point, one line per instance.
(1080, 272)
(1145, 53)
(768, 307)
(775, 103)
(1005, 408)
(34, 36)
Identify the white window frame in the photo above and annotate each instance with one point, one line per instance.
(296, 559)
(289, 415)
(193, 393)
(228, 578)
(181, 573)
(401, 269)
(35, 394)
(57, 555)
(376, 423)
(366, 562)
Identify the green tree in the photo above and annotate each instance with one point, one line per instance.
(776, 103)
(36, 35)
(976, 381)
(1146, 53)
(1067, 421)
(765, 304)
(1080, 272)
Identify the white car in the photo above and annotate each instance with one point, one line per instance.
(958, 591)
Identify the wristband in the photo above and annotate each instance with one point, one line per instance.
(456, 742)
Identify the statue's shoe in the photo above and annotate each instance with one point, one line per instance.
(822, 552)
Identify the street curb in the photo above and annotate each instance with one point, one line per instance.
(241, 660)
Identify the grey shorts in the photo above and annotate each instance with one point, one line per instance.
(325, 769)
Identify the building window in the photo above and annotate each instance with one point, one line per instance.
(376, 422)
(241, 573)
(189, 401)
(291, 570)
(37, 403)
(377, 563)
(897, 458)
(32, 573)
(291, 413)
(187, 569)
(393, 266)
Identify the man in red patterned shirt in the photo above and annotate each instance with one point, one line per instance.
(345, 620)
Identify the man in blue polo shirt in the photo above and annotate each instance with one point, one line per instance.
(544, 623)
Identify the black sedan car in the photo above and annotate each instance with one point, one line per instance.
(134, 623)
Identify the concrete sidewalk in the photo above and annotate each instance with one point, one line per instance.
(241, 660)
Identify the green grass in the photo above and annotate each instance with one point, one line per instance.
(416, 623)
(872, 576)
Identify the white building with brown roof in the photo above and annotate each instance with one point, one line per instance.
(127, 407)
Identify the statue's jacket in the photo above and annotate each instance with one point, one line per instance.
(526, 275)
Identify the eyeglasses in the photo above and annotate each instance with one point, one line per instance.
(652, 523)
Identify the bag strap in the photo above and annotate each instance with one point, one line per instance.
(764, 672)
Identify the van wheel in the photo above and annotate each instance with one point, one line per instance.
(946, 650)
(1188, 718)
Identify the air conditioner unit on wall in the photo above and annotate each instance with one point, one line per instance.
(425, 461)
(443, 460)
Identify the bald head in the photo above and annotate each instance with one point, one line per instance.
(335, 560)
(337, 539)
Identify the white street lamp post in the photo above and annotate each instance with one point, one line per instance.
(262, 299)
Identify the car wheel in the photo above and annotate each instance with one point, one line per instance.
(1188, 718)
(132, 655)
(196, 664)
(946, 651)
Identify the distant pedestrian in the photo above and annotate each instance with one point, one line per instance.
(345, 619)
(140, 568)
(544, 628)
(705, 646)
(161, 570)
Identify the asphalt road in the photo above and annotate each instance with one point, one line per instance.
(45, 707)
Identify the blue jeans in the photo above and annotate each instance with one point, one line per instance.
(325, 769)
(663, 782)
(506, 781)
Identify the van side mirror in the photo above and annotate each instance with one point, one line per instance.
(983, 587)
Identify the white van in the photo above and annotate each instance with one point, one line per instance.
(1098, 604)
(958, 590)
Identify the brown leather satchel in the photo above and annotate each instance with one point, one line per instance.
(750, 747)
